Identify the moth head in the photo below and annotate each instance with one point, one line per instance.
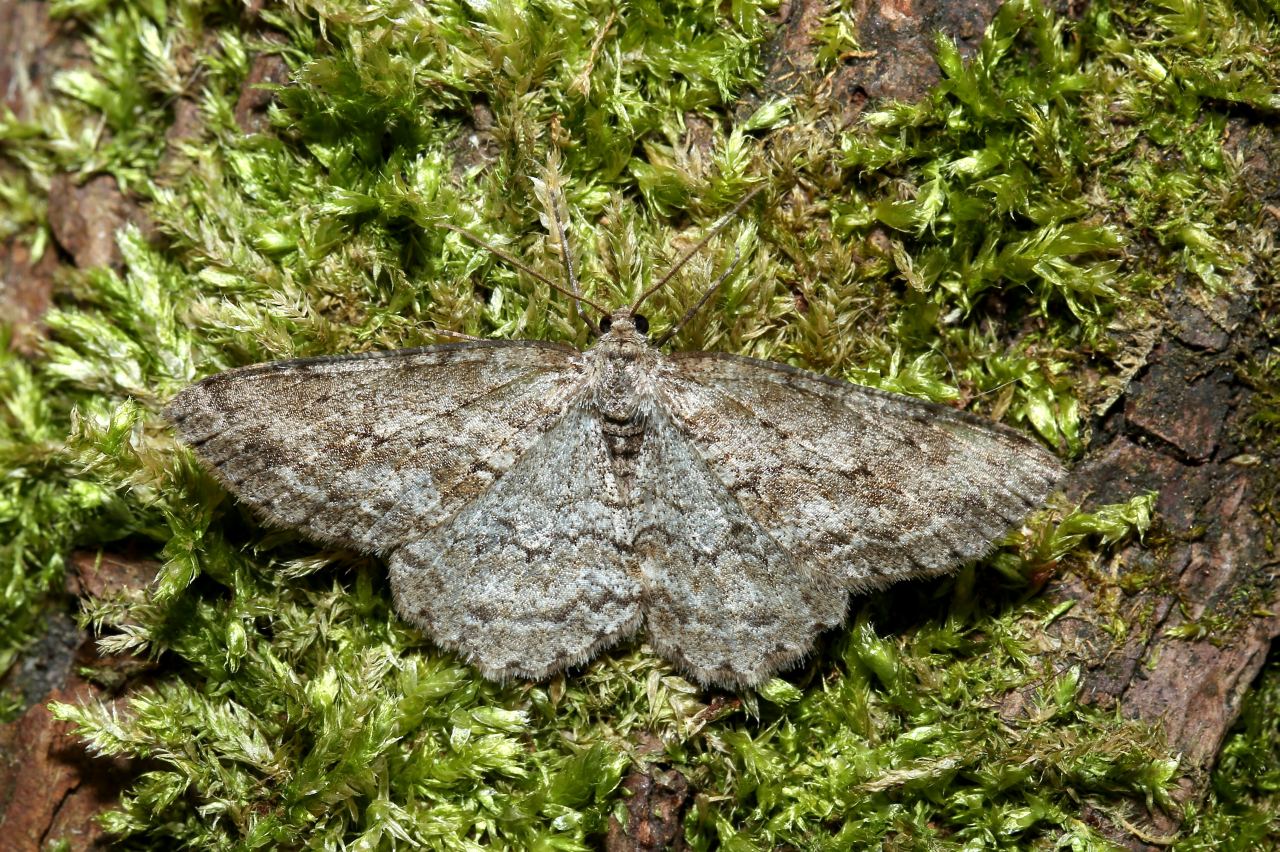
(623, 323)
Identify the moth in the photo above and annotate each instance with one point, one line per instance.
(536, 503)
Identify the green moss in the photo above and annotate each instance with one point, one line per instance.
(1243, 810)
(998, 244)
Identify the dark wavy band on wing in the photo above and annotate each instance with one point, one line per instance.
(371, 451)
(871, 486)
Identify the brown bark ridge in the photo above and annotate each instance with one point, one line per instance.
(51, 787)
(1198, 620)
(894, 59)
(32, 48)
(256, 96)
(656, 800)
(85, 216)
(26, 286)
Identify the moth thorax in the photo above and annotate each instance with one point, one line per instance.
(616, 397)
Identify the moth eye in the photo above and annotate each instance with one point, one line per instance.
(606, 323)
(642, 324)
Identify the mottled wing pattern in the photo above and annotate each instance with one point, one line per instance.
(723, 599)
(370, 451)
(531, 576)
(870, 487)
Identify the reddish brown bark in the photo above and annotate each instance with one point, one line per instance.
(256, 95)
(100, 575)
(51, 787)
(85, 218)
(32, 48)
(656, 800)
(26, 286)
(895, 55)
(1199, 627)
(1207, 569)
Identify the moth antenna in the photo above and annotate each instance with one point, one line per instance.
(518, 264)
(550, 192)
(719, 226)
(955, 380)
(706, 296)
(457, 335)
(998, 387)
(563, 233)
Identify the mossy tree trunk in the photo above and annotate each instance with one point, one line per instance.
(1177, 642)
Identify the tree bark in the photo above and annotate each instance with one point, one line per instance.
(1194, 637)
(1197, 633)
(895, 55)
